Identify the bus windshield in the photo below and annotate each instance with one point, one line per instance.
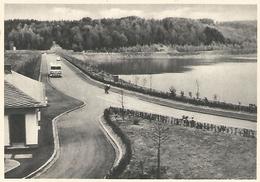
(55, 68)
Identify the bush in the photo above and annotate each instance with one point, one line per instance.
(136, 121)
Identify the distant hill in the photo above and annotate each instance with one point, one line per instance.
(107, 34)
(239, 31)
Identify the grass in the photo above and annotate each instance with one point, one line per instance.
(58, 103)
(189, 153)
(24, 62)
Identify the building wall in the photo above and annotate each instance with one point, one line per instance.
(6, 131)
(31, 125)
(32, 117)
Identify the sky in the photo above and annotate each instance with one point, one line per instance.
(156, 11)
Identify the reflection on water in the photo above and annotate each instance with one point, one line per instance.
(232, 80)
(156, 66)
(146, 66)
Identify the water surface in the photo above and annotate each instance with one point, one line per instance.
(231, 77)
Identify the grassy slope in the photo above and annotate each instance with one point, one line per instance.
(24, 62)
(58, 103)
(192, 154)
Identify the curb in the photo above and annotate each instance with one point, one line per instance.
(114, 142)
(56, 152)
(17, 165)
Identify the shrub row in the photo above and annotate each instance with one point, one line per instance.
(107, 78)
(117, 170)
(186, 122)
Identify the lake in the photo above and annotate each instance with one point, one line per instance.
(231, 78)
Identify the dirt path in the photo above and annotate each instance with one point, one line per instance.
(85, 152)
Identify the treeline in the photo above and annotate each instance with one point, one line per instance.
(107, 34)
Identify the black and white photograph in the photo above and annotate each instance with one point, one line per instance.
(130, 91)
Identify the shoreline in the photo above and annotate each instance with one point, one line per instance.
(164, 55)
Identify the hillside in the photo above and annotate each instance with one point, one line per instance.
(239, 31)
(108, 34)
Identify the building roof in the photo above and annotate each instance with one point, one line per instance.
(15, 98)
(23, 92)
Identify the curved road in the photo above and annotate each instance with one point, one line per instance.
(85, 151)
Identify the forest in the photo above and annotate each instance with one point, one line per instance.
(108, 34)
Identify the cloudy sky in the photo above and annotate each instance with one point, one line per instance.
(76, 12)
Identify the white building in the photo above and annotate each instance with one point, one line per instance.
(23, 99)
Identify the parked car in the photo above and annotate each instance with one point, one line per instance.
(58, 58)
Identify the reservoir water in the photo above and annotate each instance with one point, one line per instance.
(230, 78)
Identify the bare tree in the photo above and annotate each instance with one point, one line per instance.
(239, 105)
(182, 93)
(159, 134)
(144, 81)
(150, 77)
(190, 94)
(136, 79)
(198, 89)
(122, 103)
(215, 97)
(172, 91)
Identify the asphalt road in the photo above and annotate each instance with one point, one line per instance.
(85, 152)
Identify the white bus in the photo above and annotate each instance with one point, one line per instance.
(55, 70)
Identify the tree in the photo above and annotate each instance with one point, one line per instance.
(182, 93)
(106, 34)
(122, 104)
(159, 134)
(197, 95)
(151, 80)
(173, 91)
(215, 97)
(136, 79)
(144, 81)
(198, 89)
(119, 40)
(190, 94)
(213, 34)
